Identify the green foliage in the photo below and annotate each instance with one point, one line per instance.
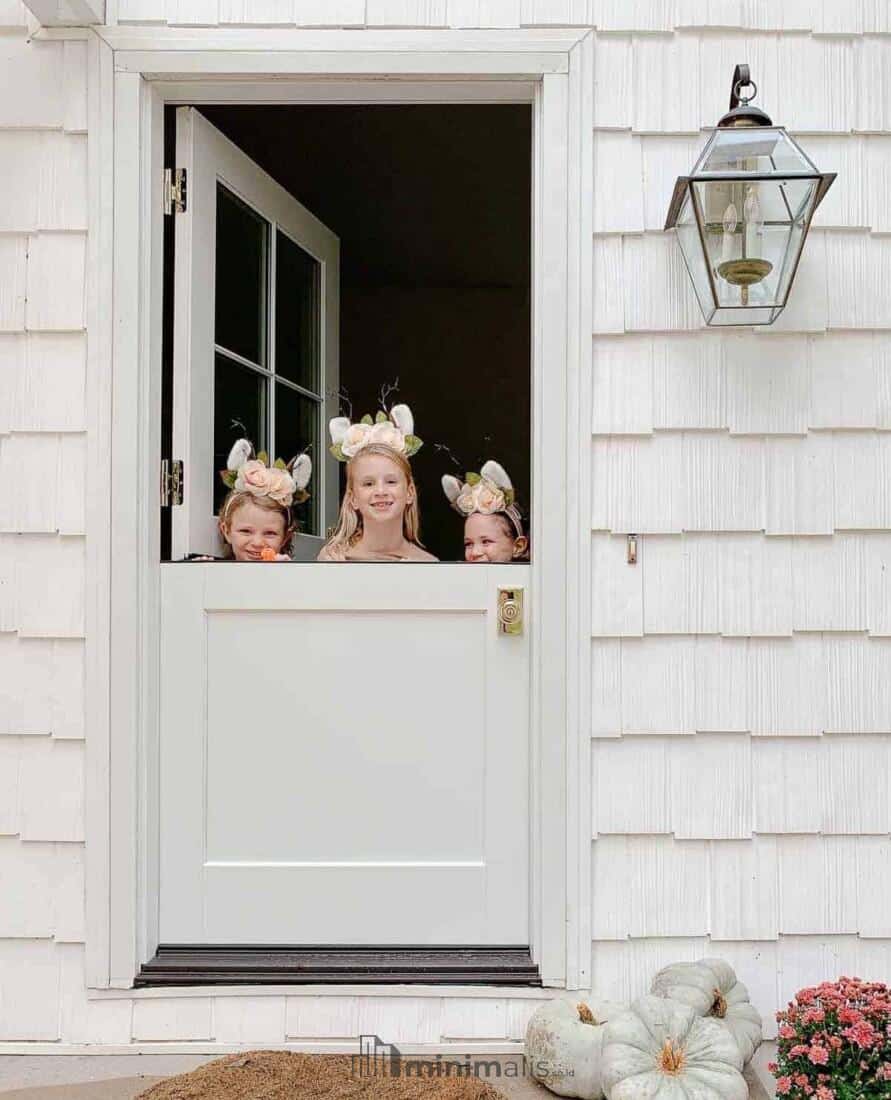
(366, 419)
(472, 478)
(381, 417)
(228, 478)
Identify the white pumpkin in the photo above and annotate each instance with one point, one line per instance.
(711, 988)
(563, 1041)
(661, 1050)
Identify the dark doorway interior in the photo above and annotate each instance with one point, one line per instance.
(432, 205)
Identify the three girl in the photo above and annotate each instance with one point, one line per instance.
(379, 516)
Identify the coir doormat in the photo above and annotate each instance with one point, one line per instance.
(282, 1075)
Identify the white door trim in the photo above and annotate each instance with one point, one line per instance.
(133, 73)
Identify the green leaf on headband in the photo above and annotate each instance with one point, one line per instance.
(381, 417)
(366, 419)
(509, 497)
(472, 478)
(337, 451)
(263, 457)
(280, 464)
(412, 445)
(228, 478)
(301, 496)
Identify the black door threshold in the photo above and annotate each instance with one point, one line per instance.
(195, 964)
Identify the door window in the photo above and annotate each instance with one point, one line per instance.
(267, 370)
(255, 349)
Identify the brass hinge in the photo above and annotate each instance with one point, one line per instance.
(171, 482)
(174, 190)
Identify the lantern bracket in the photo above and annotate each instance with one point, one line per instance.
(741, 112)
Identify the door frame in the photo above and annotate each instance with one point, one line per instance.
(133, 73)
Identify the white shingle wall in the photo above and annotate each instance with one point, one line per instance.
(741, 707)
(43, 223)
(741, 752)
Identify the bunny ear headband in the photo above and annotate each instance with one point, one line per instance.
(285, 483)
(488, 492)
(394, 429)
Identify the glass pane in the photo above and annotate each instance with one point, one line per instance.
(297, 314)
(691, 248)
(239, 409)
(755, 149)
(748, 231)
(296, 430)
(241, 264)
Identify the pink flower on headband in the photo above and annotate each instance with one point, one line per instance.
(354, 439)
(262, 481)
(388, 435)
(482, 497)
(487, 492)
(252, 478)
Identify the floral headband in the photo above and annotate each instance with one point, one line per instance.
(488, 493)
(394, 429)
(285, 483)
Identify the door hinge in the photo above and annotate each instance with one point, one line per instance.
(174, 190)
(171, 482)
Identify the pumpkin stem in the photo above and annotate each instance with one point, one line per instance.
(719, 1005)
(671, 1060)
(585, 1013)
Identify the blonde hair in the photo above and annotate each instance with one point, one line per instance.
(234, 500)
(349, 523)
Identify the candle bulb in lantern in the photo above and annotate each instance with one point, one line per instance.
(731, 221)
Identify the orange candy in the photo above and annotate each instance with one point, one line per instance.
(267, 554)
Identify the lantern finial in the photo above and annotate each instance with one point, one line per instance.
(741, 112)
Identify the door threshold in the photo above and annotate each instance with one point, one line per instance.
(239, 964)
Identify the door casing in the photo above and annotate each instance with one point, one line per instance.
(133, 73)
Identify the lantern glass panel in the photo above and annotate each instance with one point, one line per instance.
(687, 230)
(753, 231)
(762, 150)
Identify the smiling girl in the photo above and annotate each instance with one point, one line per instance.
(379, 516)
(493, 527)
(255, 520)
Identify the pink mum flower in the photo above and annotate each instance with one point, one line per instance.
(818, 1055)
(786, 1032)
(862, 1035)
(784, 1085)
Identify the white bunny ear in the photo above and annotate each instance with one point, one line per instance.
(403, 419)
(301, 471)
(242, 450)
(338, 428)
(451, 486)
(497, 474)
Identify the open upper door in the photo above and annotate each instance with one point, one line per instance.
(256, 324)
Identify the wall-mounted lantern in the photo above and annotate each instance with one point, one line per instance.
(742, 214)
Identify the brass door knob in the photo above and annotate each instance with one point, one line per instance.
(510, 610)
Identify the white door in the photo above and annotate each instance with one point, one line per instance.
(256, 321)
(344, 755)
(344, 747)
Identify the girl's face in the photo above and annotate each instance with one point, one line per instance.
(489, 538)
(252, 529)
(378, 489)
